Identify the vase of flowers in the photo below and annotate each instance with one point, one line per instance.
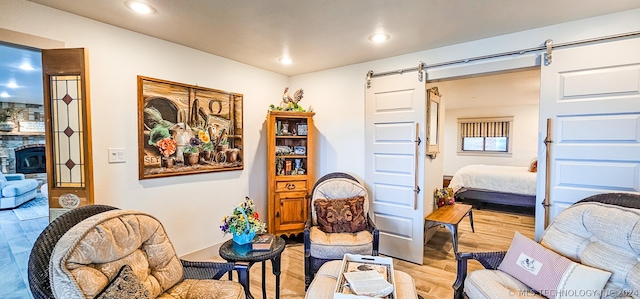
(243, 223)
(444, 196)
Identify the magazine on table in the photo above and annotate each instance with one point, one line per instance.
(364, 278)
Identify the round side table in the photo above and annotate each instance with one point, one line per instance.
(242, 253)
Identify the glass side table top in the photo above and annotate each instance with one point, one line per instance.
(233, 252)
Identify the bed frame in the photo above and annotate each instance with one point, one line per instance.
(487, 196)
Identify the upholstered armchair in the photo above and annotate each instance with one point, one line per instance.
(338, 223)
(590, 250)
(16, 190)
(101, 252)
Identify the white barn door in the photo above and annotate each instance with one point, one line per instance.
(394, 162)
(591, 94)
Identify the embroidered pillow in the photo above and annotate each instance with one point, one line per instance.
(550, 274)
(125, 285)
(345, 215)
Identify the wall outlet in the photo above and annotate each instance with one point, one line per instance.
(116, 155)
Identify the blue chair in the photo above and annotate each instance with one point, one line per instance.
(16, 190)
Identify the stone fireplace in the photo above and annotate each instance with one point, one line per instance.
(30, 159)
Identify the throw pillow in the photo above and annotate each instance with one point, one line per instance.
(533, 165)
(550, 274)
(125, 285)
(344, 215)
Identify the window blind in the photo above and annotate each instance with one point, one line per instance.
(484, 129)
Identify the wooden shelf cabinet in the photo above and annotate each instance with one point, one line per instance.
(290, 168)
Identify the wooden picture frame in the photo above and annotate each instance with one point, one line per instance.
(187, 129)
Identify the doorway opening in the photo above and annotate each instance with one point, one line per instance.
(491, 122)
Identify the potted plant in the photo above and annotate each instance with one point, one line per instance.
(223, 145)
(191, 155)
(243, 223)
(192, 151)
(167, 147)
(207, 149)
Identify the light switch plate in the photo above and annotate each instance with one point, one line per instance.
(116, 155)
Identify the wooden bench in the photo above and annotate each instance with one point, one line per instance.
(450, 216)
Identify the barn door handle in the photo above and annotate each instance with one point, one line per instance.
(417, 167)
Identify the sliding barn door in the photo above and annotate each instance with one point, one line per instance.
(394, 163)
(592, 96)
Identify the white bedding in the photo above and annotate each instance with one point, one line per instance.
(510, 179)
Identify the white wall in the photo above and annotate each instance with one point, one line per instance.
(191, 207)
(338, 94)
(524, 138)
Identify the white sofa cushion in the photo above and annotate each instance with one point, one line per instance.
(602, 236)
(336, 245)
(92, 252)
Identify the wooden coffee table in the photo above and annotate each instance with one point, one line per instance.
(450, 216)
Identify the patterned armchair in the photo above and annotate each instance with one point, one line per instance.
(103, 252)
(590, 250)
(338, 223)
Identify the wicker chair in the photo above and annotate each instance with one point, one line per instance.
(491, 260)
(39, 259)
(333, 246)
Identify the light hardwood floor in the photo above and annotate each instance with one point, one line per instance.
(494, 231)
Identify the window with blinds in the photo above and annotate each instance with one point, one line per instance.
(485, 135)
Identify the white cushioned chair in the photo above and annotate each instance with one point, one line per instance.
(125, 254)
(16, 190)
(321, 246)
(599, 234)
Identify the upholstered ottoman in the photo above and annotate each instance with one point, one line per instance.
(325, 280)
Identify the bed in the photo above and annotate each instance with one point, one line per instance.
(507, 185)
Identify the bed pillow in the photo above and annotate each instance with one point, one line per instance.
(550, 274)
(125, 285)
(533, 166)
(344, 215)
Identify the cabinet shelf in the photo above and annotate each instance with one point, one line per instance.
(287, 202)
(292, 157)
(291, 137)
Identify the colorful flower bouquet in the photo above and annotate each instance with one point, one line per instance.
(444, 196)
(243, 223)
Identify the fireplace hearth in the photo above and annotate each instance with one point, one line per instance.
(31, 159)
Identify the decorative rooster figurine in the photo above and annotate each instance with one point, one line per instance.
(289, 103)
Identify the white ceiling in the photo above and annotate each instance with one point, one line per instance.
(325, 34)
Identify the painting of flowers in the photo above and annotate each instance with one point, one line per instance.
(186, 129)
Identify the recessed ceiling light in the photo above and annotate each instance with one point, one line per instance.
(285, 60)
(379, 37)
(140, 7)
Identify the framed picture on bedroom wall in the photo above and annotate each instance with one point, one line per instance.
(187, 129)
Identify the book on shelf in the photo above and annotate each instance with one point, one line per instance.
(262, 242)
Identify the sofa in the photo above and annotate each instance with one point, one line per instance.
(590, 250)
(114, 253)
(16, 190)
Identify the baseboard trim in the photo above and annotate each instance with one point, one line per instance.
(210, 254)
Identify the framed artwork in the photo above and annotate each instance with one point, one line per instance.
(187, 129)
